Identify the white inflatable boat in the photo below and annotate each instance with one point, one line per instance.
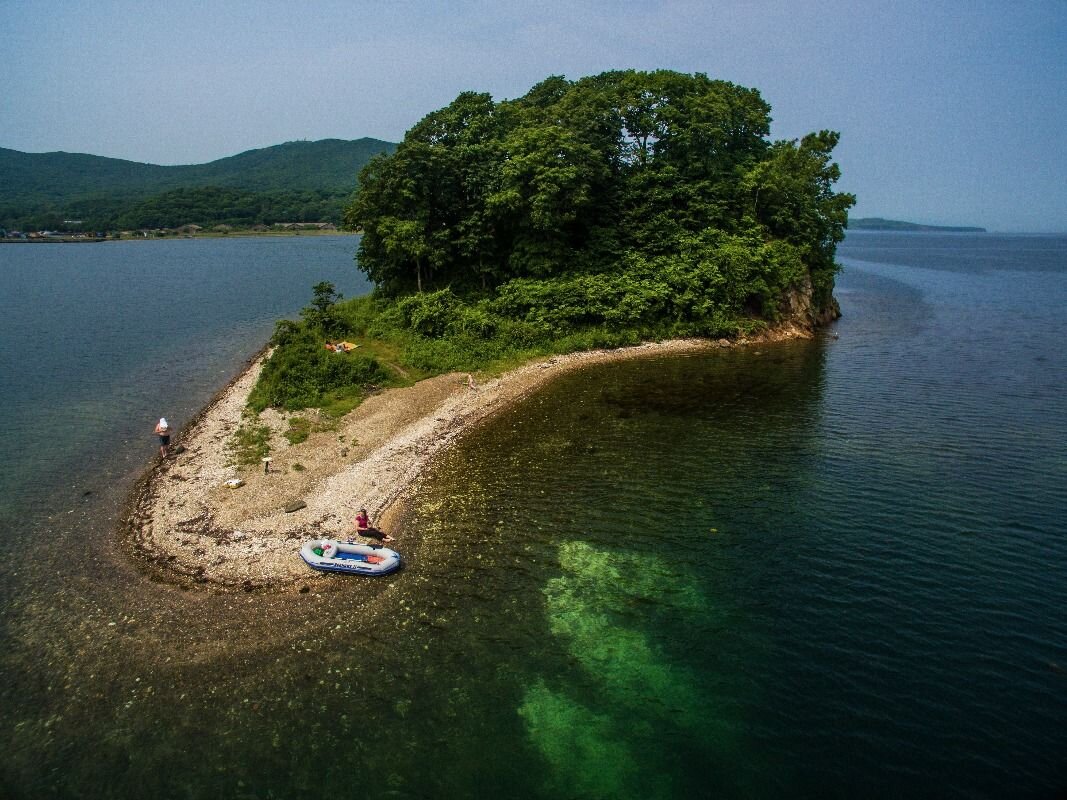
(330, 555)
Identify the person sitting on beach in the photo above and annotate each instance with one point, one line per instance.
(163, 431)
(364, 528)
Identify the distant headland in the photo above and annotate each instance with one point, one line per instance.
(879, 224)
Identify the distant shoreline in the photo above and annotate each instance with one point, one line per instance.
(249, 234)
(208, 235)
(57, 240)
(879, 224)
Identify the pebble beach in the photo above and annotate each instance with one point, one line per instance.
(185, 522)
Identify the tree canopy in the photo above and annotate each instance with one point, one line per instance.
(627, 172)
(602, 212)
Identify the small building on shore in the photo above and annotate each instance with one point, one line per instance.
(305, 226)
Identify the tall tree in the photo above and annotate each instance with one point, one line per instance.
(791, 195)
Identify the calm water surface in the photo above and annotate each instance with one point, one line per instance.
(829, 568)
(98, 340)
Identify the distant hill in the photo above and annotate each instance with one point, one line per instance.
(41, 189)
(879, 224)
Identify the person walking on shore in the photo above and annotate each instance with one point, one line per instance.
(364, 528)
(163, 431)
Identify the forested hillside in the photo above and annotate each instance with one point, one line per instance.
(609, 210)
(296, 181)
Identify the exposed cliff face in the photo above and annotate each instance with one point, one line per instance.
(799, 307)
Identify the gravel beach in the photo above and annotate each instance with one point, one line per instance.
(185, 522)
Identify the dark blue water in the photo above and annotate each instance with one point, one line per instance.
(829, 568)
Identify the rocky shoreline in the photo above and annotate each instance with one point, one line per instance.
(187, 527)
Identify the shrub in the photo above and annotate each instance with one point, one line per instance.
(301, 371)
(299, 430)
(250, 442)
(427, 313)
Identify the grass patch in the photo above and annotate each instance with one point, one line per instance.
(250, 442)
(299, 430)
(337, 403)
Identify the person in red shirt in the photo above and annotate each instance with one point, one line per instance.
(364, 528)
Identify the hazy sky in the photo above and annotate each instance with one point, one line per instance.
(950, 113)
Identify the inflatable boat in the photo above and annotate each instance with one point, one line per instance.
(330, 555)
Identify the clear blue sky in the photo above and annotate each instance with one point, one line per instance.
(950, 113)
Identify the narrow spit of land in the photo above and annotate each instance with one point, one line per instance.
(183, 519)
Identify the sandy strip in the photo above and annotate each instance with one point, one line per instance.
(183, 520)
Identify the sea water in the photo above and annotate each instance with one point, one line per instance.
(818, 568)
(99, 341)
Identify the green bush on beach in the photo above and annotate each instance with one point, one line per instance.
(302, 373)
(615, 209)
(250, 443)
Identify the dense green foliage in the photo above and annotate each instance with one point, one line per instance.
(292, 182)
(623, 190)
(618, 208)
(237, 207)
(302, 372)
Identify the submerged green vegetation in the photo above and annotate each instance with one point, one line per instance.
(602, 212)
(588, 742)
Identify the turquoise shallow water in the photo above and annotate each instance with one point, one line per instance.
(825, 568)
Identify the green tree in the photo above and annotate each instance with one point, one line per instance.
(321, 315)
(791, 195)
(578, 176)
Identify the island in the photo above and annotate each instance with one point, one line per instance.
(613, 217)
(879, 224)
